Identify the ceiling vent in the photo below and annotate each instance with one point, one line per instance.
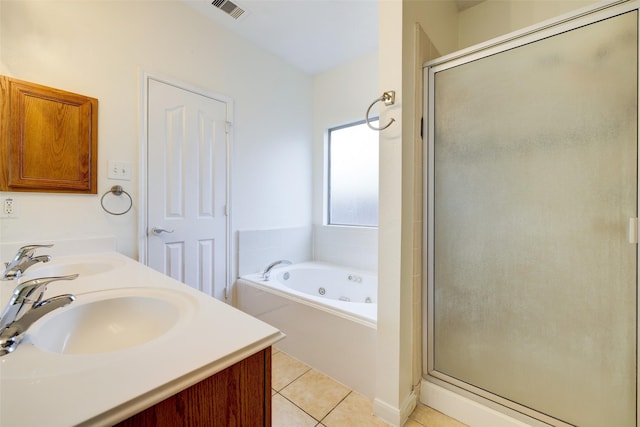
(229, 7)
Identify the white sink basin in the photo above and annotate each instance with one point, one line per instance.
(113, 320)
(83, 267)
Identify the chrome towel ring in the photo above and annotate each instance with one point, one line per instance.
(389, 98)
(116, 190)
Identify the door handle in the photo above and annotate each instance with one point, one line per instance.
(158, 230)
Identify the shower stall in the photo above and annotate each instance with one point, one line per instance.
(532, 241)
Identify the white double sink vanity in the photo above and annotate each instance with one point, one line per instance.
(135, 345)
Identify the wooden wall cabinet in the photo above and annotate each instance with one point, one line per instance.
(239, 396)
(48, 139)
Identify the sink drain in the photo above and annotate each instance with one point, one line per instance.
(322, 291)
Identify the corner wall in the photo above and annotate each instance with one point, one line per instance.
(400, 237)
(393, 366)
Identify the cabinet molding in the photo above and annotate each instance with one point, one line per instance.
(49, 138)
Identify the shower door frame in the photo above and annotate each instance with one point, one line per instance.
(558, 25)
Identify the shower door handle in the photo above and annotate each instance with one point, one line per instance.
(633, 230)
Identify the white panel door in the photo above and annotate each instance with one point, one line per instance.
(186, 187)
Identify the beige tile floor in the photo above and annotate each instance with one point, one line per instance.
(304, 397)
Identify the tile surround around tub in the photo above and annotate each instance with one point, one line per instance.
(303, 396)
(258, 248)
(355, 247)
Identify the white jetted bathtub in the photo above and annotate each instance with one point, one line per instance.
(328, 313)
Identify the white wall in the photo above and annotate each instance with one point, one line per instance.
(399, 220)
(340, 96)
(391, 367)
(98, 48)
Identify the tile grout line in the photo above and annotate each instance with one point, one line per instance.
(336, 405)
(294, 404)
(291, 382)
(319, 422)
(302, 409)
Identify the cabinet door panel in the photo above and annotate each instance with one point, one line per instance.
(238, 396)
(51, 140)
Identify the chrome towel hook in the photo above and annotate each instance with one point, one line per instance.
(389, 98)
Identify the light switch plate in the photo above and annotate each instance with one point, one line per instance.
(120, 170)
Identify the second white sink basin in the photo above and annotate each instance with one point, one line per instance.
(83, 267)
(113, 320)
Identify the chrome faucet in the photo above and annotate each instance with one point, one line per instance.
(267, 271)
(26, 307)
(23, 260)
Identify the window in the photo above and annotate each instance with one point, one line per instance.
(353, 175)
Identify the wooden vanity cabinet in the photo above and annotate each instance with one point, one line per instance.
(239, 396)
(48, 139)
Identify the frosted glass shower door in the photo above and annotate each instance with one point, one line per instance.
(533, 162)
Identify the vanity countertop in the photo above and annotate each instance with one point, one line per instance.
(42, 387)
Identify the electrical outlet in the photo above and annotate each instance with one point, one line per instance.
(9, 208)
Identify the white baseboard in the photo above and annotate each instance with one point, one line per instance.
(392, 415)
